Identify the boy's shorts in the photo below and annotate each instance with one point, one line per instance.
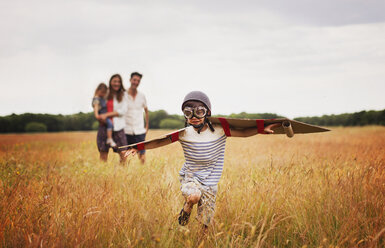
(206, 204)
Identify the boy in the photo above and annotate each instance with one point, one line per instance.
(203, 146)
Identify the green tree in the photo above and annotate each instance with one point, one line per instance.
(37, 127)
(171, 124)
(156, 117)
(95, 125)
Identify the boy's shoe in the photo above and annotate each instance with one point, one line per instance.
(183, 217)
(111, 142)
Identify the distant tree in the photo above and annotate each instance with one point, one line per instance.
(38, 127)
(156, 117)
(95, 125)
(86, 121)
(361, 118)
(171, 124)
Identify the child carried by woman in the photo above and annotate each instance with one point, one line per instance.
(100, 107)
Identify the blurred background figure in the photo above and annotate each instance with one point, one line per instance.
(135, 129)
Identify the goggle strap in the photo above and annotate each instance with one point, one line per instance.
(210, 125)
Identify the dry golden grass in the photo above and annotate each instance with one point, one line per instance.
(320, 190)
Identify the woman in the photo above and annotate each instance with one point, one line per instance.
(117, 107)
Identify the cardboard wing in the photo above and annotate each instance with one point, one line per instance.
(288, 127)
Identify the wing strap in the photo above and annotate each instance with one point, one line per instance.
(174, 137)
(260, 126)
(140, 146)
(225, 126)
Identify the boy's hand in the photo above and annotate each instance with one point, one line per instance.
(130, 152)
(269, 127)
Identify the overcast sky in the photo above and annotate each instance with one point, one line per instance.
(294, 58)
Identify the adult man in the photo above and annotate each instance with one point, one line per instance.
(135, 130)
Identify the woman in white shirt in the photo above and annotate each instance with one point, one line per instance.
(117, 107)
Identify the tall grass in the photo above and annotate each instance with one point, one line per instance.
(319, 190)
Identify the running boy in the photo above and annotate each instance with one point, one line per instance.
(100, 107)
(204, 147)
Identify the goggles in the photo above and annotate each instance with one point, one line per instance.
(199, 112)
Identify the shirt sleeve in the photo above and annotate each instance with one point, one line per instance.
(95, 102)
(219, 129)
(182, 134)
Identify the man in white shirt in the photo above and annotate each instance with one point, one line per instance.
(135, 129)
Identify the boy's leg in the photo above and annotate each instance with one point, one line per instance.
(192, 194)
(206, 205)
(191, 200)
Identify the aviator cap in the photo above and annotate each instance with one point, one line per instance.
(197, 96)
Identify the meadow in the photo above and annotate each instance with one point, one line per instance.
(315, 190)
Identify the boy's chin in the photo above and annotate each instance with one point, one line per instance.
(195, 123)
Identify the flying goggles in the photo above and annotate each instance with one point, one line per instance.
(199, 112)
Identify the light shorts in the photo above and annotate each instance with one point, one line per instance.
(206, 204)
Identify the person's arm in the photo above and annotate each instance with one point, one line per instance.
(108, 115)
(155, 143)
(96, 112)
(247, 132)
(152, 145)
(147, 118)
(96, 107)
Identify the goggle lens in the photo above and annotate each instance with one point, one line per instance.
(188, 113)
(198, 112)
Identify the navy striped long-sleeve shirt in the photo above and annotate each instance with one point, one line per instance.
(204, 154)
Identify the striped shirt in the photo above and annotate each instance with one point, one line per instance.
(204, 154)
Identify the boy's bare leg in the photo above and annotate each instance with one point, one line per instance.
(191, 200)
(187, 208)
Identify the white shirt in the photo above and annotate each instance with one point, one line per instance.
(134, 114)
(121, 108)
(204, 154)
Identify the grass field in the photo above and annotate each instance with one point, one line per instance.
(320, 190)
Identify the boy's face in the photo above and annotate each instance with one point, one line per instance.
(195, 121)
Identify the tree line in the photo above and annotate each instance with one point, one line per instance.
(160, 119)
(361, 118)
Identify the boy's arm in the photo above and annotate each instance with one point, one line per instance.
(247, 132)
(152, 145)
